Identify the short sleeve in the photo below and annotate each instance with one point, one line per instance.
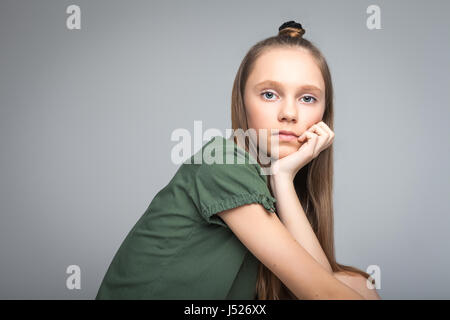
(224, 186)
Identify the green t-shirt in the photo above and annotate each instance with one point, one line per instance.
(180, 248)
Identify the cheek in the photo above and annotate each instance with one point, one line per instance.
(260, 120)
(260, 115)
(311, 117)
(318, 114)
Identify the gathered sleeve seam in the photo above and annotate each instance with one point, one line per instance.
(265, 200)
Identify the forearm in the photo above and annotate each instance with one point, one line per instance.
(292, 215)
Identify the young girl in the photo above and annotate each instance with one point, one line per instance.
(224, 230)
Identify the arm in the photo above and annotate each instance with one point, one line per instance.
(283, 255)
(358, 283)
(290, 210)
(294, 218)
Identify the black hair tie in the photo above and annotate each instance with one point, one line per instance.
(291, 24)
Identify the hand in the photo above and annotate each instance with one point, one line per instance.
(313, 141)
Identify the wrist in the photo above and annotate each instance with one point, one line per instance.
(280, 180)
(281, 177)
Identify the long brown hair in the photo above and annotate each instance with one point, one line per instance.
(314, 182)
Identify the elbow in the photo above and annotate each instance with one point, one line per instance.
(359, 284)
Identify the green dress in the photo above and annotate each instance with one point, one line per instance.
(180, 248)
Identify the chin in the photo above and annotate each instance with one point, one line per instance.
(286, 150)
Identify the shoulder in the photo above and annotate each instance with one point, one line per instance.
(220, 150)
(224, 180)
(222, 161)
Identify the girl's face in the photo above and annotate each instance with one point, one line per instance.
(284, 91)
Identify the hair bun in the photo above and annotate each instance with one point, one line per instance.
(291, 24)
(294, 28)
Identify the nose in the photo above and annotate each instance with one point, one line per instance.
(288, 112)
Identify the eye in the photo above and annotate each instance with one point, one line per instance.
(311, 97)
(271, 94)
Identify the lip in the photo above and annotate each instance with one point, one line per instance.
(285, 135)
(286, 132)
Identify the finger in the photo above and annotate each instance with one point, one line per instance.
(317, 143)
(322, 141)
(327, 128)
(303, 137)
(319, 130)
(311, 136)
(328, 131)
(313, 143)
(310, 129)
(326, 140)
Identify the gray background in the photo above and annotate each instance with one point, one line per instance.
(86, 118)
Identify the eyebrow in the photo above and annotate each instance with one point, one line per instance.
(278, 84)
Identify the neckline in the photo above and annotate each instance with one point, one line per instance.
(254, 162)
